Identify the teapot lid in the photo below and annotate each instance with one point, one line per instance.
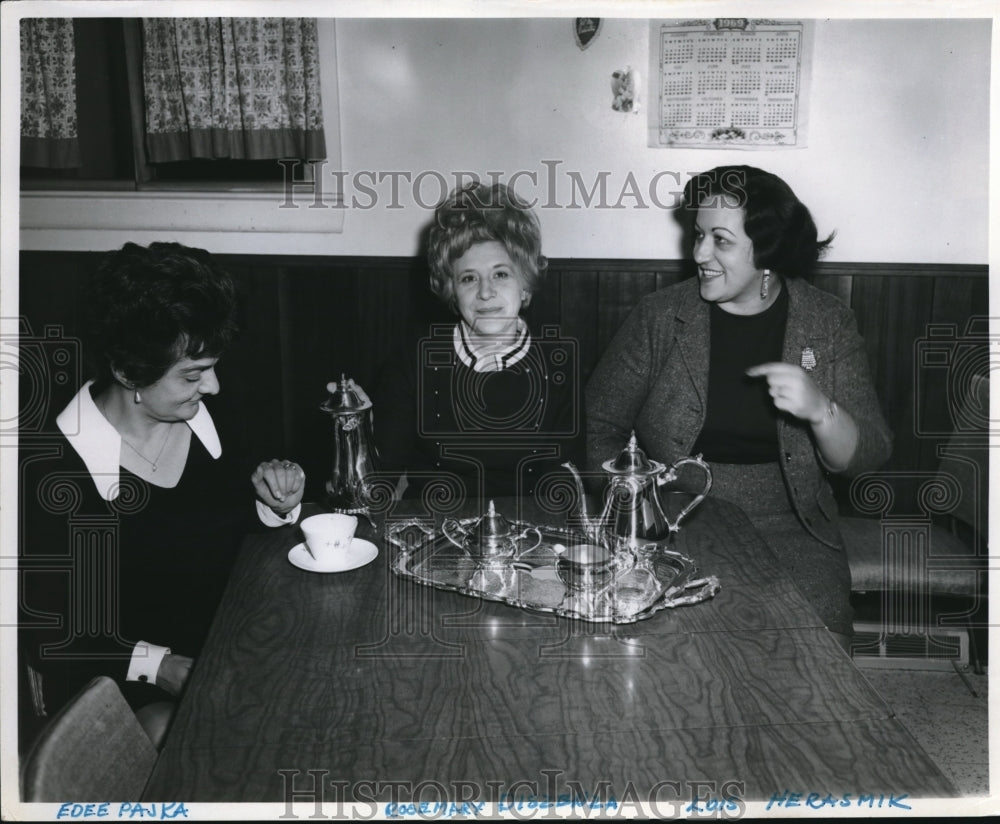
(632, 460)
(492, 526)
(343, 400)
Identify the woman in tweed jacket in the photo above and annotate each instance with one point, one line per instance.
(764, 374)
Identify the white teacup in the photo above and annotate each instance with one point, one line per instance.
(328, 534)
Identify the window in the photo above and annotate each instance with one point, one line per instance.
(111, 127)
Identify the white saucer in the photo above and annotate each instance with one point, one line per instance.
(359, 553)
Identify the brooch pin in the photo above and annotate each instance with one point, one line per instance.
(808, 361)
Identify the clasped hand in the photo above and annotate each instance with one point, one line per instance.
(279, 484)
(792, 390)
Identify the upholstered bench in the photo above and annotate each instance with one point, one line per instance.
(928, 576)
(922, 583)
(892, 556)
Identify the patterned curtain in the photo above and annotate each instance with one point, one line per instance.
(241, 88)
(48, 94)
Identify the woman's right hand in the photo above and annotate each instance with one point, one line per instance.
(792, 390)
(173, 673)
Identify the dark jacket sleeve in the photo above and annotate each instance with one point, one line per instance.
(855, 393)
(620, 383)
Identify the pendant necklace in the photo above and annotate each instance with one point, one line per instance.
(159, 454)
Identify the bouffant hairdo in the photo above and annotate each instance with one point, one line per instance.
(148, 307)
(778, 224)
(477, 213)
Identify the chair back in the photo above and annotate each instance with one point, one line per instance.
(92, 750)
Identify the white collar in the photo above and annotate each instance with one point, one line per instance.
(98, 443)
(497, 360)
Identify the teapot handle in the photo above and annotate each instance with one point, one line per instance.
(447, 526)
(538, 536)
(671, 474)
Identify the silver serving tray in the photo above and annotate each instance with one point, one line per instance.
(652, 579)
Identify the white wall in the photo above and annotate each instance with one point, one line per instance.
(896, 162)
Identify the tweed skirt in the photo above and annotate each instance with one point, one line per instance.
(820, 572)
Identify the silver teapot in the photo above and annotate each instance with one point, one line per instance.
(490, 536)
(354, 453)
(633, 514)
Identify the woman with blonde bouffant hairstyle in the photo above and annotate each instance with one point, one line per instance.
(485, 402)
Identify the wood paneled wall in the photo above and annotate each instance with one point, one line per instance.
(309, 319)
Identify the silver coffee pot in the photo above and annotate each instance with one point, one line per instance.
(633, 515)
(354, 453)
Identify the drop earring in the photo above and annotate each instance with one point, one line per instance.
(765, 283)
(138, 397)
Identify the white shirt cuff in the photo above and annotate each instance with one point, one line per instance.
(269, 517)
(145, 662)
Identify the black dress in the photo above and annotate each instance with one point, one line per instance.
(97, 575)
(479, 434)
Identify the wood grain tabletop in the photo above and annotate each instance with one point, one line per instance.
(377, 684)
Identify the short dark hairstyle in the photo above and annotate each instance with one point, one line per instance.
(477, 213)
(148, 307)
(778, 224)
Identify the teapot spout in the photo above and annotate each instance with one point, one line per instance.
(582, 515)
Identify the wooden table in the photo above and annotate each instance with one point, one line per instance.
(367, 679)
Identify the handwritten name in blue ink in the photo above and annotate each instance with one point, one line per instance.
(713, 805)
(819, 801)
(531, 802)
(506, 803)
(158, 811)
(437, 809)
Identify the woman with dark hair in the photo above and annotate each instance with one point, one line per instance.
(133, 519)
(761, 373)
(481, 405)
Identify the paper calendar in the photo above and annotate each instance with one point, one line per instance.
(729, 83)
